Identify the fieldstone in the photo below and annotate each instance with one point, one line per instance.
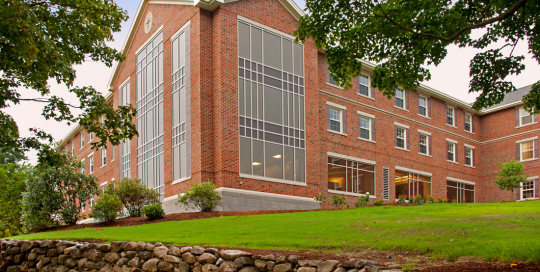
(293, 259)
(255, 257)
(52, 252)
(133, 269)
(105, 248)
(360, 264)
(165, 266)
(189, 258)
(260, 264)
(156, 244)
(135, 262)
(54, 261)
(18, 258)
(32, 256)
(61, 249)
(93, 246)
(227, 266)
(353, 270)
(146, 255)
(161, 251)
(243, 261)
(171, 259)
(207, 258)
(327, 266)
(149, 247)
(211, 250)
(112, 257)
(371, 263)
(131, 254)
(348, 264)
(68, 250)
(185, 249)
(26, 246)
(43, 262)
(231, 255)
(280, 259)
(82, 263)
(219, 261)
(249, 269)
(197, 250)
(45, 243)
(183, 267)
(94, 255)
(62, 258)
(151, 265)
(140, 246)
(309, 263)
(270, 265)
(26, 265)
(91, 265)
(175, 251)
(38, 251)
(210, 268)
(14, 268)
(70, 262)
(340, 269)
(130, 246)
(371, 269)
(285, 267)
(121, 262)
(75, 253)
(107, 268)
(116, 246)
(13, 251)
(307, 269)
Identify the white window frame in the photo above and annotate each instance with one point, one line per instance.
(470, 122)
(454, 155)
(91, 163)
(402, 98)
(427, 143)
(82, 139)
(521, 150)
(368, 86)
(524, 113)
(83, 206)
(370, 127)
(453, 116)
(90, 136)
(404, 138)
(530, 179)
(83, 167)
(103, 150)
(112, 152)
(92, 201)
(340, 110)
(425, 105)
(73, 146)
(471, 153)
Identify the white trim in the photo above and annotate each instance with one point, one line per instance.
(404, 109)
(366, 114)
(174, 197)
(180, 30)
(180, 180)
(520, 126)
(528, 159)
(413, 171)
(149, 40)
(469, 146)
(335, 86)
(288, 36)
(452, 161)
(359, 138)
(527, 140)
(103, 184)
(332, 154)
(171, 2)
(452, 141)
(424, 132)
(336, 105)
(532, 178)
(425, 155)
(469, 166)
(350, 194)
(401, 148)
(426, 106)
(91, 154)
(336, 132)
(124, 83)
(471, 124)
(272, 180)
(502, 107)
(401, 125)
(461, 181)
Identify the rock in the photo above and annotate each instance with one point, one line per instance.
(150, 265)
(130, 246)
(360, 264)
(68, 250)
(207, 258)
(348, 264)
(371, 269)
(39, 251)
(261, 265)
(131, 254)
(156, 244)
(197, 250)
(227, 266)
(14, 268)
(165, 266)
(54, 261)
(230, 255)
(32, 256)
(171, 259)
(116, 246)
(307, 269)
(353, 270)
(135, 262)
(309, 263)
(327, 266)
(27, 265)
(268, 257)
(101, 264)
(161, 251)
(91, 265)
(45, 243)
(249, 269)
(146, 255)
(210, 268)
(340, 269)
(183, 267)
(243, 261)
(18, 258)
(219, 261)
(149, 247)
(111, 257)
(293, 259)
(185, 249)
(52, 252)
(107, 268)
(121, 262)
(62, 258)
(280, 259)
(43, 262)
(94, 255)
(175, 251)
(211, 250)
(75, 253)
(27, 246)
(189, 258)
(105, 248)
(133, 269)
(13, 251)
(70, 263)
(140, 246)
(286, 267)
(371, 263)
(270, 265)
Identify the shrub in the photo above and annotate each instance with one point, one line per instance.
(107, 208)
(202, 196)
(321, 197)
(379, 202)
(134, 194)
(153, 212)
(12, 186)
(339, 202)
(363, 201)
(402, 198)
(431, 199)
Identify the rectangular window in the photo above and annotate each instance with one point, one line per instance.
(124, 147)
(401, 137)
(335, 119)
(90, 136)
(83, 166)
(450, 114)
(424, 143)
(527, 190)
(422, 106)
(271, 105)
(112, 152)
(82, 139)
(329, 78)
(91, 201)
(83, 206)
(400, 98)
(468, 122)
(527, 150)
(451, 151)
(365, 128)
(149, 71)
(458, 192)
(103, 156)
(469, 156)
(91, 164)
(363, 85)
(525, 117)
(351, 176)
(73, 146)
(412, 184)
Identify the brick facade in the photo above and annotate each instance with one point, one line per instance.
(214, 114)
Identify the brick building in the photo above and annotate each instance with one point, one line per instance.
(224, 94)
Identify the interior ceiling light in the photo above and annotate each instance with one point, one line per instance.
(256, 163)
(277, 156)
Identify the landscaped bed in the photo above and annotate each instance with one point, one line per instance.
(419, 234)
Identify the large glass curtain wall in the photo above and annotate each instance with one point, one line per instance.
(125, 152)
(181, 106)
(350, 176)
(150, 166)
(459, 192)
(411, 184)
(271, 105)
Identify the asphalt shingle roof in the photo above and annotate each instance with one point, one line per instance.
(513, 96)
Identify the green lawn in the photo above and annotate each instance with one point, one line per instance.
(494, 231)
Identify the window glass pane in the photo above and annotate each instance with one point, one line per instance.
(289, 163)
(365, 128)
(366, 182)
(335, 119)
(300, 165)
(287, 56)
(273, 160)
(336, 177)
(402, 183)
(527, 151)
(258, 158)
(451, 194)
(256, 44)
(298, 59)
(243, 40)
(468, 197)
(245, 155)
(272, 98)
(272, 50)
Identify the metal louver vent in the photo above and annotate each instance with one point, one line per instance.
(386, 194)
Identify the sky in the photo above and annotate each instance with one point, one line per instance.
(450, 77)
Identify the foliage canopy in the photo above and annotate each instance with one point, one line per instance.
(134, 194)
(12, 186)
(510, 175)
(202, 196)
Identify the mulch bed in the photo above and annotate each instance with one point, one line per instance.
(484, 267)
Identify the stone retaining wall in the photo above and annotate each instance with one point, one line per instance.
(64, 256)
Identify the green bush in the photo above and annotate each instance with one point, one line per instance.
(363, 201)
(202, 196)
(153, 212)
(12, 186)
(134, 194)
(339, 202)
(107, 208)
(378, 203)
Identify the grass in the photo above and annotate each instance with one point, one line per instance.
(491, 231)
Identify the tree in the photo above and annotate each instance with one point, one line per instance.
(202, 196)
(510, 175)
(11, 156)
(55, 190)
(12, 186)
(403, 36)
(44, 39)
(107, 208)
(134, 195)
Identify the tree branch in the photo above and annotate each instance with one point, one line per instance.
(44, 100)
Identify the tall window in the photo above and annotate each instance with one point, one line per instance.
(424, 144)
(350, 176)
(527, 190)
(82, 139)
(73, 146)
(271, 105)
(329, 78)
(92, 201)
(83, 166)
(91, 164)
(469, 156)
(451, 151)
(400, 98)
(125, 150)
(468, 122)
(450, 116)
(525, 117)
(412, 184)
(103, 156)
(363, 85)
(422, 106)
(83, 206)
(365, 128)
(181, 121)
(335, 119)
(527, 150)
(150, 166)
(459, 192)
(90, 136)
(401, 137)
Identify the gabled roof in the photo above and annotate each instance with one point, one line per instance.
(510, 99)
